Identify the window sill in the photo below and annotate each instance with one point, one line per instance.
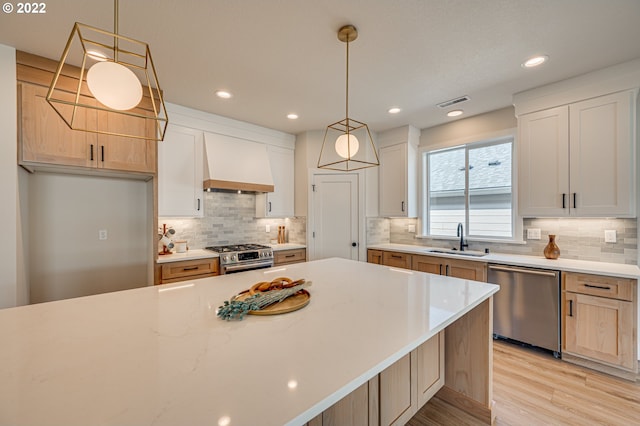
(472, 239)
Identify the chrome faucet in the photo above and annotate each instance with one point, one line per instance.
(461, 235)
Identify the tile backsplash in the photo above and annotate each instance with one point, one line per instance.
(577, 238)
(230, 219)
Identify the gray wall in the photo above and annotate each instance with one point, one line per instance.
(66, 258)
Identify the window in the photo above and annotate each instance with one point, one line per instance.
(472, 185)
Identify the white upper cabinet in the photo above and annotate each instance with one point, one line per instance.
(579, 159)
(180, 166)
(280, 202)
(398, 173)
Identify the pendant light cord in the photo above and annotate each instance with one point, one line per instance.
(115, 30)
(347, 89)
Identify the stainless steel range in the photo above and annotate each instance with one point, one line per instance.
(243, 257)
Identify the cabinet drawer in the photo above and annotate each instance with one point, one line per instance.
(399, 260)
(189, 268)
(289, 256)
(596, 285)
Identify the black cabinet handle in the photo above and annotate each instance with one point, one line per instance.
(574, 200)
(269, 206)
(102, 153)
(91, 152)
(440, 271)
(564, 203)
(600, 287)
(192, 268)
(402, 206)
(570, 308)
(395, 256)
(447, 270)
(290, 255)
(198, 204)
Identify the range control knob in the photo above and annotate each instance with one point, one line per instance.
(225, 258)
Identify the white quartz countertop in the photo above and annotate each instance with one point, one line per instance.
(286, 246)
(570, 265)
(188, 255)
(160, 356)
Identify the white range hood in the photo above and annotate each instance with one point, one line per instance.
(234, 164)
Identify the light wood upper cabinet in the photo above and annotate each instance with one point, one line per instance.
(600, 319)
(278, 203)
(45, 139)
(180, 173)
(579, 159)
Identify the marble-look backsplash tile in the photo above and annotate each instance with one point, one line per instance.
(577, 238)
(230, 219)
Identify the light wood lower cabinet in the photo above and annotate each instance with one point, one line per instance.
(397, 260)
(600, 321)
(458, 268)
(284, 257)
(394, 395)
(172, 272)
(374, 256)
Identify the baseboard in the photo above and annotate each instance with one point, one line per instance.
(603, 368)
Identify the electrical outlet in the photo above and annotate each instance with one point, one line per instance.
(610, 236)
(267, 228)
(102, 234)
(533, 233)
(411, 227)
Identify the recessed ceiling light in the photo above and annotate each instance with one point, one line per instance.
(535, 61)
(223, 94)
(394, 110)
(455, 113)
(292, 116)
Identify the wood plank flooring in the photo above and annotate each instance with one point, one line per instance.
(531, 387)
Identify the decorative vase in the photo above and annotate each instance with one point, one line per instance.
(552, 251)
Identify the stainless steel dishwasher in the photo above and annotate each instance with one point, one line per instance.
(527, 307)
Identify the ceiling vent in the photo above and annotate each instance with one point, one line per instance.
(452, 102)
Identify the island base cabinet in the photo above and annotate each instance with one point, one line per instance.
(396, 394)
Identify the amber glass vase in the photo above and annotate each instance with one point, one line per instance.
(552, 251)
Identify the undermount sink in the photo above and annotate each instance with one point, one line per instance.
(458, 252)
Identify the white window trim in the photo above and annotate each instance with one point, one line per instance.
(475, 140)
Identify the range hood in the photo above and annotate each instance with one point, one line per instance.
(234, 164)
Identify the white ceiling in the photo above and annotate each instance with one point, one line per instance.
(282, 56)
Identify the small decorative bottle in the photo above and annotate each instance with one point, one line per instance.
(552, 251)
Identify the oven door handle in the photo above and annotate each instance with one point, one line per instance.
(247, 266)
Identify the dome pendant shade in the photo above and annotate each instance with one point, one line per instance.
(114, 85)
(353, 146)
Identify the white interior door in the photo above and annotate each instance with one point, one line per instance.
(335, 213)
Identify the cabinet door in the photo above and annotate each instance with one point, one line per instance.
(393, 181)
(353, 409)
(180, 165)
(601, 156)
(122, 153)
(278, 203)
(466, 269)
(398, 260)
(430, 368)
(45, 137)
(289, 256)
(430, 264)
(397, 400)
(599, 328)
(374, 256)
(543, 145)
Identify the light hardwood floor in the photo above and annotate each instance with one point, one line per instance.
(533, 388)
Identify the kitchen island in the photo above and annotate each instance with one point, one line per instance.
(159, 355)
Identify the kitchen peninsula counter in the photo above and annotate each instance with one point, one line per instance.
(159, 355)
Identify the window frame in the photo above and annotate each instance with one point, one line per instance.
(466, 144)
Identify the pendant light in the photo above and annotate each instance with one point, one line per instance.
(347, 144)
(116, 78)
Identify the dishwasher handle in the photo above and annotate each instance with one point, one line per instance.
(523, 271)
